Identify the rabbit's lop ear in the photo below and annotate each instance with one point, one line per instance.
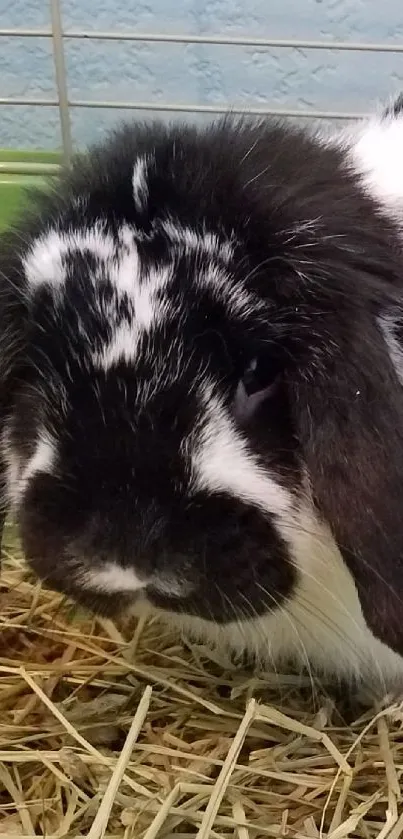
(345, 385)
(349, 413)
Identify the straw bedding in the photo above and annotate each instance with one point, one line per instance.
(129, 732)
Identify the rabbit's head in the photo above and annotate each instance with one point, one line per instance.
(201, 407)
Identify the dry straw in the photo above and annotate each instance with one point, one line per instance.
(128, 732)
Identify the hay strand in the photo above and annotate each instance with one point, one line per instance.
(307, 731)
(225, 774)
(100, 822)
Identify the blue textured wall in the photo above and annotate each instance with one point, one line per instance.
(223, 75)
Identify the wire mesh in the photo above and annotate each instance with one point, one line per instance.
(58, 36)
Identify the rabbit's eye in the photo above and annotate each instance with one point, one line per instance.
(254, 378)
(257, 384)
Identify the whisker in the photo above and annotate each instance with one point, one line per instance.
(297, 527)
(294, 628)
(260, 636)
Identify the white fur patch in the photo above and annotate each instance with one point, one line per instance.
(222, 462)
(42, 460)
(122, 347)
(12, 467)
(18, 475)
(122, 268)
(43, 263)
(118, 260)
(113, 578)
(375, 150)
(211, 275)
(388, 325)
(239, 302)
(139, 182)
(148, 310)
(193, 240)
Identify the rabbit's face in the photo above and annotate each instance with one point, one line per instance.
(150, 452)
(201, 407)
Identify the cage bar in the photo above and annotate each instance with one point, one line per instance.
(61, 78)
(220, 40)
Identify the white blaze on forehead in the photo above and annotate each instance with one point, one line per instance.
(222, 462)
(147, 310)
(122, 269)
(43, 263)
(118, 264)
(117, 260)
(139, 182)
(121, 347)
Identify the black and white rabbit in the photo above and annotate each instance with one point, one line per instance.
(201, 370)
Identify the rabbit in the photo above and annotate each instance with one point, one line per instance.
(201, 386)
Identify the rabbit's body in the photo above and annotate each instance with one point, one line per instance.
(201, 387)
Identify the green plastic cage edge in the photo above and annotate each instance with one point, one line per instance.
(19, 170)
